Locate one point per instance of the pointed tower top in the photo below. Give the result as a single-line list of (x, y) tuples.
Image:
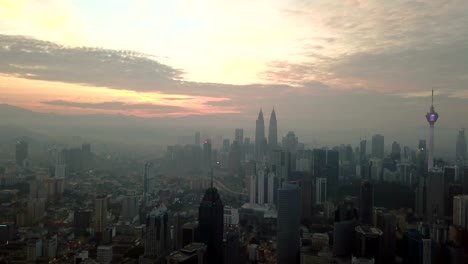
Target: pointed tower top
[(432, 97), (273, 113), (260, 114)]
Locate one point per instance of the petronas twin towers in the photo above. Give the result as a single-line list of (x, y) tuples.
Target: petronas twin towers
[(261, 144)]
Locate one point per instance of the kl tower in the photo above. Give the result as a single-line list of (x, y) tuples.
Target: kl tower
[(431, 117)]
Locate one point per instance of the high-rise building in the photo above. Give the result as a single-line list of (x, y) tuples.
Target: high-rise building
[(320, 190), (435, 193), (260, 140), (211, 224), (332, 173), (239, 135), (368, 243), (197, 139), (363, 158), (104, 254), (288, 223), (366, 203), (273, 132), (129, 207), (307, 198), (319, 162), (207, 153), (460, 211), (81, 221), (281, 164), (387, 223), (431, 117), (421, 157), (396, 151), (235, 156), (21, 152), (157, 236), (460, 150), (344, 227), (378, 143), (100, 214), (191, 254)]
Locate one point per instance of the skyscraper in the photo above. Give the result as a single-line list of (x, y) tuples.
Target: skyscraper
[(460, 211), (197, 139), (288, 223), (431, 117), (396, 151), (21, 152), (207, 155), (260, 137), (100, 214), (239, 135), (211, 224), (366, 203), (321, 190), (157, 236), (460, 150), (273, 132), (378, 146), (435, 190)]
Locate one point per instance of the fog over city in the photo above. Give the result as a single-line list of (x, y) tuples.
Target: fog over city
[(249, 131)]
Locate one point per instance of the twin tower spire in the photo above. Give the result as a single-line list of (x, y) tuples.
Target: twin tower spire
[(261, 144)]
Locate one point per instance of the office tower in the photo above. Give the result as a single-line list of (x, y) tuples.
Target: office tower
[(431, 117), (273, 132), (396, 151), (157, 237), (344, 227), (104, 254), (197, 139), (33, 249), (332, 173), (435, 190), (190, 233), (368, 243), (378, 146), (421, 158), (87, 155), (8, 232), (239, 135), (129, 207), (81, 221), (281, 164), (231, 246), (460, 211), (207, 160), (363, 158), (272, 187), (288, 223), (387, 223), (21, 152), (366, 203), (261, 185), (100, 214), (319, 162), (226, 145), (260, 137), (320, 190), (307, 198), (451, 190), (211, 225), (460, 150), (235, 155), (194, 253)]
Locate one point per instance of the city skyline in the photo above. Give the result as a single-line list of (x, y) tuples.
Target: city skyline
[(60, 61)]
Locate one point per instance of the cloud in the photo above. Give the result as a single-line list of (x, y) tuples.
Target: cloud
[(153, 108), (42, 60)]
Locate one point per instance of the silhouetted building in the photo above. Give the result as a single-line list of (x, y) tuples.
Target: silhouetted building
[(387, 223), (288, 223), (378, 146), (460, 150), (273, 132), (21, 152), (260, 140), (191, 254), (321, 187), (368, 243), (307, 198), (344, 228), (211, 224), (435, 190), (207, 153), (235, 155), (396, 151), (190, 233), (157, 237), (100, 214), (460, 211), (366, 203), (81, 221)]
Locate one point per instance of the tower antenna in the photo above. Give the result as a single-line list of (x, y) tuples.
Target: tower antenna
[(212, 177)]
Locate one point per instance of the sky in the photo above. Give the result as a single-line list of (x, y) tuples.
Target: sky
[(357, 66)]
